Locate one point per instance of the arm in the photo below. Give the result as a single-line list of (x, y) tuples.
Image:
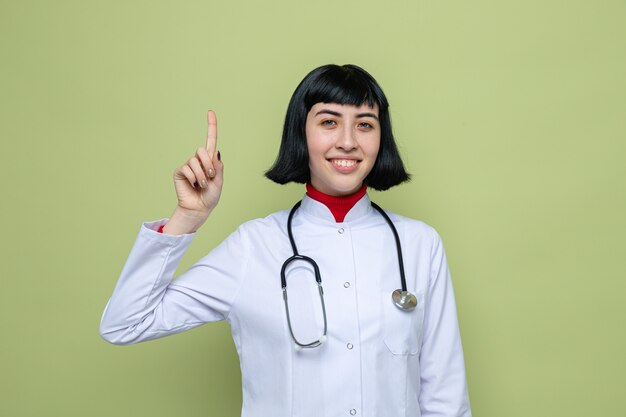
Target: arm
[(147, 304), (443, 385)]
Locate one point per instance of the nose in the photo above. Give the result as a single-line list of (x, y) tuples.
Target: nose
[(347, 140)]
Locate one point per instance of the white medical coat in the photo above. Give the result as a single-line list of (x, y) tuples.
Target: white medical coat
[(378, 361)]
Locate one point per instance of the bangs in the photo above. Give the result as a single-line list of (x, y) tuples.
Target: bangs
[(343, 85)]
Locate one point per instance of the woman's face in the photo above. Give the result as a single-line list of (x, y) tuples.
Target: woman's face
[(343, 142)]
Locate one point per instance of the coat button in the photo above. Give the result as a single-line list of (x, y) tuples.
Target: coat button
[(340, 230), (350, 346), (346, 284), (353, 412)]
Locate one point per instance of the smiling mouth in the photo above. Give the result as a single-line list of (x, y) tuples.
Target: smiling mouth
[(344, 163)]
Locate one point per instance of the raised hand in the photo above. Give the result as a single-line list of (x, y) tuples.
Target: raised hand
[(199, 181)]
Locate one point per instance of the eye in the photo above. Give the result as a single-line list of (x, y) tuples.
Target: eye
[(365, 125), (328, 122)]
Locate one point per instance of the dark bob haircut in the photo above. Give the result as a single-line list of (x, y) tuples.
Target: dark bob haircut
[(346, 84)]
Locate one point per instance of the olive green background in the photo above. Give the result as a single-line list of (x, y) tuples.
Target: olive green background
[(509, 114)]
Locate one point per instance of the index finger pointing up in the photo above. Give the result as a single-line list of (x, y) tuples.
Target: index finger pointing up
[(211, 137)]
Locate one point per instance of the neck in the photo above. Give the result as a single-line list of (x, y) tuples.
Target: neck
[(338, 206)]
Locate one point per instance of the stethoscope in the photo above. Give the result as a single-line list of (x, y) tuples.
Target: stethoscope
[(402, 298)]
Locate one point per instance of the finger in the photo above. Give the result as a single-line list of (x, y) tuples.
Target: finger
[(219, 170), (217, 161), (188, 173), (211, 137), (203, 155), (195, 166)]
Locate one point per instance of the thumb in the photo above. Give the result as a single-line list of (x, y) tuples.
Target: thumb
[(219, 166)]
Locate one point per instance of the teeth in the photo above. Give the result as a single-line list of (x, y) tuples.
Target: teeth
[(344, 162)]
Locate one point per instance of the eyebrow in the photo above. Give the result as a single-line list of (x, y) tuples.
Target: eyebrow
[(334, 113)]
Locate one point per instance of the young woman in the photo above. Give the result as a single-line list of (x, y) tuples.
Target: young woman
[(336, 307)]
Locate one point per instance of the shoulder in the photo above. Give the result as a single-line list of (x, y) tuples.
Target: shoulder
[(413, 229), (413, 225), (253, 234), (272, 223)]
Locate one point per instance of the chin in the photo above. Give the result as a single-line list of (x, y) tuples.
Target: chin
[(344, 189)]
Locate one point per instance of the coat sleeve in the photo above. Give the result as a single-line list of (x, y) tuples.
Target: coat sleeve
[(443, 384), (147, 303)]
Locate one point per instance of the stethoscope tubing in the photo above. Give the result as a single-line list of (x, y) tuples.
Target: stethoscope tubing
[(398, 246), (297, 257)]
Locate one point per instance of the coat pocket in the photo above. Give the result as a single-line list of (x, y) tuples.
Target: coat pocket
[(403, 329)]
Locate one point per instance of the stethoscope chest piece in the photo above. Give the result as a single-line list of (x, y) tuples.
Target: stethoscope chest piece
[(404, 300)]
